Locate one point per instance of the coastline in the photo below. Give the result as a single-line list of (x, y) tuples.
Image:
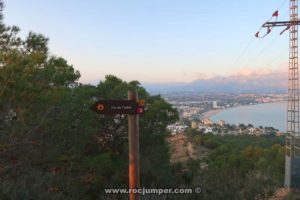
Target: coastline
[(211, 113)]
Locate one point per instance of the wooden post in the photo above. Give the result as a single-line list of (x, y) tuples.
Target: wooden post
[(133, 138)]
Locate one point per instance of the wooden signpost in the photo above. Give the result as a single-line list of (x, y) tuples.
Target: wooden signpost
[(113, 107), (134, 154), (133, 108)]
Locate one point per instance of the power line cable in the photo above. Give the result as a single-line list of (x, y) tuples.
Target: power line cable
[(252, 40), (269, 64), (260, 53)]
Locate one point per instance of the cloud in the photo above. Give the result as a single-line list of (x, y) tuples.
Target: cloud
[(259, 72)]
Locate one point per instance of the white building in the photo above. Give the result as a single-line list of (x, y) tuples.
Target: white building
[(222, 123), (177, 128), (207, 121), (208, 130), (194, 125), (215, 104)]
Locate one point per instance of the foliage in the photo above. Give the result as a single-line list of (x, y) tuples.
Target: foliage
[(242, 167), (52, 145)]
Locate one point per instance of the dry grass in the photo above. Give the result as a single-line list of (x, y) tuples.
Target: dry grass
[(181, 149)]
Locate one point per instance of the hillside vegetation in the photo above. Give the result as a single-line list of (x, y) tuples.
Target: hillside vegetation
[(241, 167), (52, 146)]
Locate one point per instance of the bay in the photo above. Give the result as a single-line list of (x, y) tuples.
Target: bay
[(268, 114)]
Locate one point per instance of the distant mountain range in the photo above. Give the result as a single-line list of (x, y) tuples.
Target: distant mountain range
[(254, 83)]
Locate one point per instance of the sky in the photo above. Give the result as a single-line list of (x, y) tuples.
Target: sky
[(157, 41)]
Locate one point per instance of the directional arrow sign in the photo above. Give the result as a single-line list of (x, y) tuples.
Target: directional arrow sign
[(112, 107)]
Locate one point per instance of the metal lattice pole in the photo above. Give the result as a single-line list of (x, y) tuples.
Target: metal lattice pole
[(292, 157), (292, 179)]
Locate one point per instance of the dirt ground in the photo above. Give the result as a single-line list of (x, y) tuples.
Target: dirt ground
[(280, 194), (181, 149)]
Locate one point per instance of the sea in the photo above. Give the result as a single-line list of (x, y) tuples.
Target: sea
[(267, 114)]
